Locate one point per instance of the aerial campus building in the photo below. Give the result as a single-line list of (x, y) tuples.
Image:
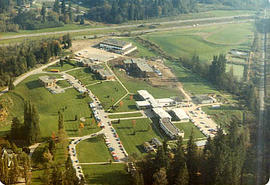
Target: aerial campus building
[(156, 105), (102, 72), (117, 46), (180, 114), (139, 68), (48, 81)]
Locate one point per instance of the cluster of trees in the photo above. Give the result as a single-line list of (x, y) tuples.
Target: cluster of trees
[(16, 167), (237, 4), (18, 59), (118, 11), (29, 130), (222, 161)]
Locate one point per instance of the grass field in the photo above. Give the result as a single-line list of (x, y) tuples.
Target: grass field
[(128, 105), (204, 41), (93, 150), (114, 174), (187, 128), (136, 114), (31, 89), (84, 75), (108, 92), (63, 83), (192, 83), (65, 67), (133, 85), (238, 70), (144, 132), (223, 115)]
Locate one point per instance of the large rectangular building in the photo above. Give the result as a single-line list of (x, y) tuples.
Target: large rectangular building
[(139, 68), (102, 72), (181, 115), (117, 46)]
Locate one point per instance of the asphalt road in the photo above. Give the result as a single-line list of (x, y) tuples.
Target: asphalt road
[(123, 26)]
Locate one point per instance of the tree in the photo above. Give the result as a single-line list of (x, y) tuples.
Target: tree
[(63, 7), (16, 128), (11, 85), (43, 13), (56, 7), (61, 62), (70, 11), (160, 177), (81, 20), (192, 159)]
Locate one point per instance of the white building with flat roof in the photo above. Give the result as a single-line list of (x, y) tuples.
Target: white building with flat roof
[(161, 113), (165, 102), (180, 114)]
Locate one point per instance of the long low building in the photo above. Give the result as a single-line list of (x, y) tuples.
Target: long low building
[(180, 114), (165, 123), (117, 46)]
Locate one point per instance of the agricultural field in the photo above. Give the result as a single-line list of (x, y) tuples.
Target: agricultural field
[(204, 41), (144, 131), (188, 128), (93, 150), (109, 174), (31, 89)]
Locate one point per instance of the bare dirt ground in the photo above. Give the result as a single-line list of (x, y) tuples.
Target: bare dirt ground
[(78, 45)]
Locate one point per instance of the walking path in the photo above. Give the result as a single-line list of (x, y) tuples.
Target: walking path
[(117, 113)]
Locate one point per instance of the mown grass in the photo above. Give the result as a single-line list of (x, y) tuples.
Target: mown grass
[(187, 128), (93, 150), (57, 66), (108, 92), (84, 75), (63, 83), (114, 174), (48, 104), (238, 70), (136, 114), (144, 131), (127, 105)]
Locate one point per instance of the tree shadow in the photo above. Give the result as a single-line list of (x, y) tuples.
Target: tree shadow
[(33, 84)]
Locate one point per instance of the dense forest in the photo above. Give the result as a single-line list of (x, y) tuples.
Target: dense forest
[(18, 59), (118, 11)]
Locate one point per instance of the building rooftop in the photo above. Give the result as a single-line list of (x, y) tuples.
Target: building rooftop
[(142, 103), (115, 42), (47, 79), (180, 113), (161, 113), (201, 143), (170, 126), (141, 64)]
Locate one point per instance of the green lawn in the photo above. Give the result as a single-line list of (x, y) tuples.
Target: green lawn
[(144, 132), (133, 85), (204, 41), (238, 70), (63, 83), (128, 105), (108, 92), (84, 75), (192, 83), (48, 104), (73, 127), (187, 128), (65, 67), (136, 114), (223, 115), (114, 174), (93, 150)]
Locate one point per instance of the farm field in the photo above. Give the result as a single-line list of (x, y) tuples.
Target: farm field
[(32, 89), (108, 92), (114, 174), (223, 115), (144, 132), (204, 41), (93, 150), (187, 128)]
